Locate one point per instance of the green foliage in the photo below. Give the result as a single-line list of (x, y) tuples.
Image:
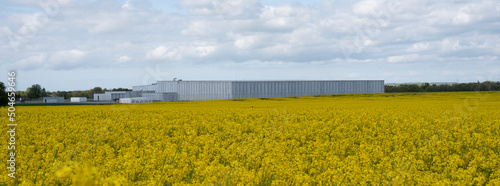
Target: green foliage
[(36, 91), (64, 94), (3, 95), (121, 89), (461, 87), (97, 90)]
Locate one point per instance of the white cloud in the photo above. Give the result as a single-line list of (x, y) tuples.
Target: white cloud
[(227, 9), (162, 52), (123, 59), (127, 6), (461, 18), (247, 42), (366, 7), (30, 63), (204, 49), (375, 35), (66, 59), (448, 45), (402, 58), (418, 47)]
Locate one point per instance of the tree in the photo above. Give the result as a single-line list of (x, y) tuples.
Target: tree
[(97, 90), (64, 94), (44, 93), (425, 85), (4, 100), (36, 91), (121, 89)]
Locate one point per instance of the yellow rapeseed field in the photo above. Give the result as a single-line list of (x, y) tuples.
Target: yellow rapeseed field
[(369, 139)]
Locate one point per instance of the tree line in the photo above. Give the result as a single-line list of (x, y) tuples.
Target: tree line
[(36, 92), (459, 87)]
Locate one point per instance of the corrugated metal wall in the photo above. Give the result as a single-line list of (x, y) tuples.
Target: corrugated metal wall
[(255, 89), (102, 97), (215, 90), (167, 86), (144, 88), (112, 95), (162, 96), (204, 90)]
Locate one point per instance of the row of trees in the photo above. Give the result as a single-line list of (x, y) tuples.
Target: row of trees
[(427, 87), (84, 93), (36, 91)]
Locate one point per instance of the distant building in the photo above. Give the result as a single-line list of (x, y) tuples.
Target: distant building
[(178, 90), (53, 100), (115, 95), (78, 99), (136, 100)]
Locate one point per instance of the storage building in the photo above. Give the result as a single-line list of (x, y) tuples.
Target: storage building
[(53, 100), (216, 90), (78, 99), (136, 100), (114, 95)]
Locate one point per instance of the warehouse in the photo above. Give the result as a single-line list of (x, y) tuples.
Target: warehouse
[(115, 95), (136, 100), (216, 90), (53, 100)]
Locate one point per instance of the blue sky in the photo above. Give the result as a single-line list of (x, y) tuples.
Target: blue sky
[(80, 44)]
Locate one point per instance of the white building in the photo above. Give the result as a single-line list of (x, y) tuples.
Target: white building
[(136, 100), (78, 99), (115, 95)]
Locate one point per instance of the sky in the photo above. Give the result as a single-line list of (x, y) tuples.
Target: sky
[(68, 45)]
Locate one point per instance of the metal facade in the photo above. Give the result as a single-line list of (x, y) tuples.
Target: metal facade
[(255, 89), (215, 90), (204, 90), (113, 95), (136, 100), (144, 88), (166, 96), (53, 100)]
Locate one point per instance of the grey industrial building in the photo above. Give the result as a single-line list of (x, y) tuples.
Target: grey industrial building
[(53, 100), (216, 90), (114, 95)]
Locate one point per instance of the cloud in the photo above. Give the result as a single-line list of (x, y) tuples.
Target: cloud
[(226, 9), (418, 47), (351, 35), (66, 59), (122, 59), (402, 58), (162, 52), (30, 63), (366, 7)]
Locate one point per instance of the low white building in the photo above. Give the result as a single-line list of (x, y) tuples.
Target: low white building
[(53, 100), (136, 100), (78, 99), (114, 95)]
